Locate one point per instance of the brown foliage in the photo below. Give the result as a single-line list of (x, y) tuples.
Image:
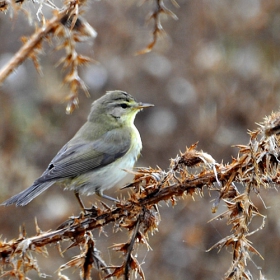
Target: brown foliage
[(68, 25), (256, 167)]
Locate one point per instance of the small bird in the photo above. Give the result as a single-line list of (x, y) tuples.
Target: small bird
[(96, 158)]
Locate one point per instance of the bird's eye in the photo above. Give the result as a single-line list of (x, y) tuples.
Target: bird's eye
[(124, 105)]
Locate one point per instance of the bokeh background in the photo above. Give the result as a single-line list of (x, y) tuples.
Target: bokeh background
[(213, 75)]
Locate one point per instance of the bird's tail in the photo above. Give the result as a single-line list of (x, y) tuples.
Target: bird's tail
[(27, 195)]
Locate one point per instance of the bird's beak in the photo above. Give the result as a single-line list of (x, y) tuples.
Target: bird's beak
[(141, 105)]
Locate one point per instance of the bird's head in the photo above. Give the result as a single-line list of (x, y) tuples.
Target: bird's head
[(116, 105)]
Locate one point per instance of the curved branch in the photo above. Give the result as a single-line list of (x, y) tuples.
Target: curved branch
[(29, 46)]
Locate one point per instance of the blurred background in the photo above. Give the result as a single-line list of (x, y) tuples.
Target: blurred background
[(213, 75)]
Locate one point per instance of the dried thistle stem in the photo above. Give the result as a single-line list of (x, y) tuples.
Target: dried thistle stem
[(27, 49)]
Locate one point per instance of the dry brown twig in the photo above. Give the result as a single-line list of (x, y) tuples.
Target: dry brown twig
[(255, 168), (66, 25), (160, 9), (70, 27)]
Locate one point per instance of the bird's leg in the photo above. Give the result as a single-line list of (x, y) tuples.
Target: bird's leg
[(91, 210), (80, 201), (100, 194)]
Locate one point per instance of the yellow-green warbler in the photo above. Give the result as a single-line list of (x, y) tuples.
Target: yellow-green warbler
[(96, 158)]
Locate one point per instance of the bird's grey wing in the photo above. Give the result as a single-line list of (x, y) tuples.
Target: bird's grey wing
[(81, 157)]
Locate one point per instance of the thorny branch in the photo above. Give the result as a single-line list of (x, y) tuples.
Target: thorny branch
[(32, 43), (68, 25), (158, 30), (255, 168)]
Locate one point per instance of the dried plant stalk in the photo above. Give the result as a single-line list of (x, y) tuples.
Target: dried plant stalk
[(68, 17), (256, 167), (32, 43)]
